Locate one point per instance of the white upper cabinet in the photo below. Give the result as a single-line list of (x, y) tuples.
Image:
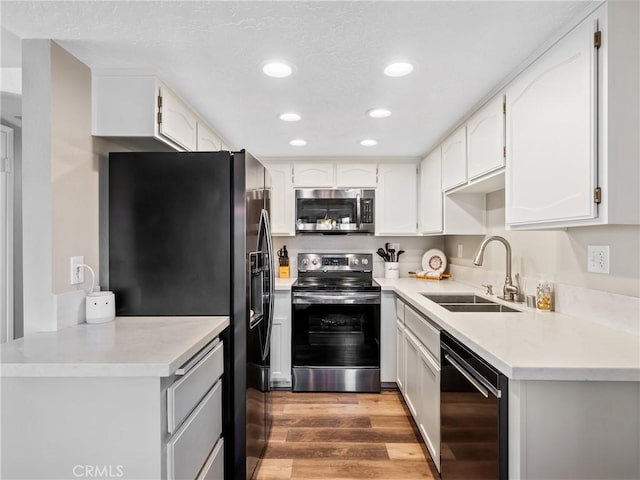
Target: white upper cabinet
[(431, 193), (310, 175), (457, 213), (397, 200), (207, 140), (572, 127), (485, 139), (357, 175), (454, 159), (551, 134), (282, 203), (176, 121), (140, 107)]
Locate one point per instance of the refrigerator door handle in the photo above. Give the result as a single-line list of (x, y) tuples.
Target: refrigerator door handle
[(266, 230)]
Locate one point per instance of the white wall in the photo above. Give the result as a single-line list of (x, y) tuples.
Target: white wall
[(74, 168), (60, 184), (39, 303)]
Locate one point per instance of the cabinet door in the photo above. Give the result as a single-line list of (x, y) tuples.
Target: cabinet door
[(485, 139), (281, 340), (431, 193), (178, 123), (551, 122), (388, 338), (397, 200), (359, 175), (454, 160), (400, 356), (307, 175), (282, 211), (411, 385), (207, 140), (429, 419)]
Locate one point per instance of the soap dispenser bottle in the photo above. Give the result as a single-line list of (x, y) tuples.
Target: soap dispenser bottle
[(544, 296)]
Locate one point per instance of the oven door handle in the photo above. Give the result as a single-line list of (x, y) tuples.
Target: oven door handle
[(468, 376), (351, 298)]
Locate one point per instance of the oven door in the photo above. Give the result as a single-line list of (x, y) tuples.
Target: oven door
[(336, 341)]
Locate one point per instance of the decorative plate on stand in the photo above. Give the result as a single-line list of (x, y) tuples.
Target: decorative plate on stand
[(434, 261)]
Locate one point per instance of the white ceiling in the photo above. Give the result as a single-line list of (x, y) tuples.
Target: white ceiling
[(211, 53)]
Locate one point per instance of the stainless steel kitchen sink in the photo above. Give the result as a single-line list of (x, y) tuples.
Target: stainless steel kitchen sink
[(467, 302), (478, 307), (455, 298)]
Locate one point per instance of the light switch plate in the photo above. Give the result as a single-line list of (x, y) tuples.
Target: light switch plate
[(598, 258)]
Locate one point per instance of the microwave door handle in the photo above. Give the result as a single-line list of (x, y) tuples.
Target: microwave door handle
[(358, 211)]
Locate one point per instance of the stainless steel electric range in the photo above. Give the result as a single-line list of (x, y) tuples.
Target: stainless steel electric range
[(335, 324)]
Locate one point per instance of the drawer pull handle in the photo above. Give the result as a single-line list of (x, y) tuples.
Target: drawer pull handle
[(183, 370)]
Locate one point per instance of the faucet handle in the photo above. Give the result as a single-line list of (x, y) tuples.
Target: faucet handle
[(489, 288)]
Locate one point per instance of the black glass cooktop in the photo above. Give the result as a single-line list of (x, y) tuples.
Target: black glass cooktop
[(331, 282)]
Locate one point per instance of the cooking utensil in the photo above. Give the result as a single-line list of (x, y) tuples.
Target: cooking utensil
[(384, 255), (398, 255), (386, 247), (392, 254)]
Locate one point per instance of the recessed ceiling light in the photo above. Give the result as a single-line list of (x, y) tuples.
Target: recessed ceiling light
[(277, 69), (298, 142), (369, 142), (290, 117), (399, 69), (379, 112)]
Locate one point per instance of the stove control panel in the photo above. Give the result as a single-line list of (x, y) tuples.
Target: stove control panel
[(340, 262)]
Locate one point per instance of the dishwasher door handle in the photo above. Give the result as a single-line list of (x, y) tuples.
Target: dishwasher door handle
[(468, 376)]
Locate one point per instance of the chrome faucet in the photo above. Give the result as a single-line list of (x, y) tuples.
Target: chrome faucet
[(510, 291)]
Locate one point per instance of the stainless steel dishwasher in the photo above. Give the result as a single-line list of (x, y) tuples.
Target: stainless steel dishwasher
[(474, 415)]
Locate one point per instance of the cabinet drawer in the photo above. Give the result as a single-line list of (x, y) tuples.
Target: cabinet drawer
[(400, 310), (185, 393), (424, 331), (188, 449), (214, 466)]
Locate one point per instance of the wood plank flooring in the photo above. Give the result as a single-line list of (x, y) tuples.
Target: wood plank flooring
[(343, 436)]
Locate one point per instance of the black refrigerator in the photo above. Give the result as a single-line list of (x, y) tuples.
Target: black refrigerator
[(188, 235)]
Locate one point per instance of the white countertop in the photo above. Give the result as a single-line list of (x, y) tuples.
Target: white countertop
[(529, 345), (284, 283), (127, 347)]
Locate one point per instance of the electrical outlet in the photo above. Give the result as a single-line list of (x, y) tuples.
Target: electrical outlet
[(598, 258), (459, 250), (77, 271)]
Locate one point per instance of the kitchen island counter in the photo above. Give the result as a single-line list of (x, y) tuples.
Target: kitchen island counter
[(528, 345), (126, 347)]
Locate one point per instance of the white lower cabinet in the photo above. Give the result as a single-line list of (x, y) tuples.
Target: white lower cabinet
[(400, 344), (418, 363), (411, 357), (428, 420), (125, 426), (189, 448), (387, 338), (214, 466), (281, 340)]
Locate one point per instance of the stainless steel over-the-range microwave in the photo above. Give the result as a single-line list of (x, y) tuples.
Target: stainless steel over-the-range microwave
[(335, 211)]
